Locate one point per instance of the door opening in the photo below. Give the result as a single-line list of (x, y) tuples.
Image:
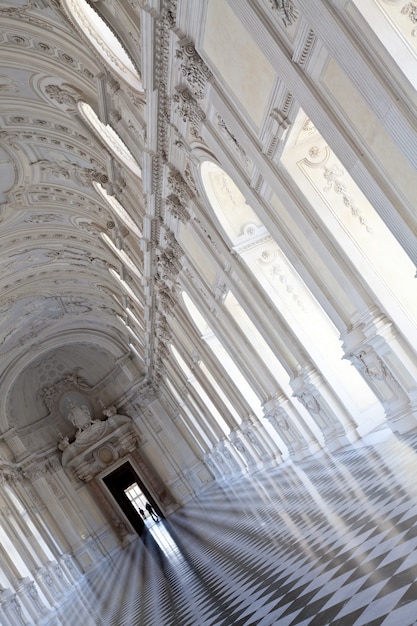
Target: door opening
[(140, 503), (130, 494)]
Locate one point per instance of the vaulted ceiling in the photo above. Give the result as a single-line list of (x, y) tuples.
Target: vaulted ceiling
[(62, 296)]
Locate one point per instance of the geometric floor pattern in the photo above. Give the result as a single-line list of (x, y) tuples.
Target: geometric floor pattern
[(330, 540)]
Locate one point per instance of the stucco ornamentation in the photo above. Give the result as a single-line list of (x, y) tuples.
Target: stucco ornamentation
[(286, 9)]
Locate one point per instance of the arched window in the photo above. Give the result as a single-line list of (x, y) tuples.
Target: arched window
[(104, 41), (110, 138), (222, 356), (200, 391), (268, 264), (128, 290), (220, 353), (122, 255), (118, 211), (184, 402)]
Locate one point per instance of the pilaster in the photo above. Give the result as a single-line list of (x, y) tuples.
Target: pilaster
[(30, 599), (388, 365), (12, 609), (276, 412), (261, 442), (336, 425)]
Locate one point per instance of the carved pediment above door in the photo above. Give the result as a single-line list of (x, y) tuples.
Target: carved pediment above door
[(99, 445)]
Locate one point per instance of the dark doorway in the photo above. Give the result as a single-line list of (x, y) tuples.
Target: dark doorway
[(117, 482)]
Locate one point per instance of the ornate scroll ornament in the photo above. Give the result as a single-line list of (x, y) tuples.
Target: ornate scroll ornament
[(168, 264), (13, 605), (164, 332), (308, 126), (69, 382), (9, 474), (162, 351), (168, 257), (208, 461), (189, 110), (286, 9), (21, 13), (278, 418), (179, 187), (250, 435), (8, 84), (177, 209), (286, 430), (193, 68), (167, 297), (33, 593), (190, 180), (92, 228), (308, 401), (239, 445), (44, 218), (40, 468)]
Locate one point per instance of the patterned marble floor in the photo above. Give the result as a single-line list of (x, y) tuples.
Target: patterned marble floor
[(331, 540)]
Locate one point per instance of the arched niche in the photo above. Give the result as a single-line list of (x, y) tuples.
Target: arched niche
[(36, 404)]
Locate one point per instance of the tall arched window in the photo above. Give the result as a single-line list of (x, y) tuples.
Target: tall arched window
[(123, 256), (200, 391), (104, 41), (251, 241), (185, 403), (118, 210), (110, 138), (224, 358)]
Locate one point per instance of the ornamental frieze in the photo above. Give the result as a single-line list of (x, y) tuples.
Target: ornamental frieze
[(85, 176)]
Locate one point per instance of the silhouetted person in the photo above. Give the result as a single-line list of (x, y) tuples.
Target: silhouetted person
[(151, 512), (142, 512)]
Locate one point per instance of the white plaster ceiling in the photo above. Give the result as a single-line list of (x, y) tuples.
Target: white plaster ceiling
[(57, 296)]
